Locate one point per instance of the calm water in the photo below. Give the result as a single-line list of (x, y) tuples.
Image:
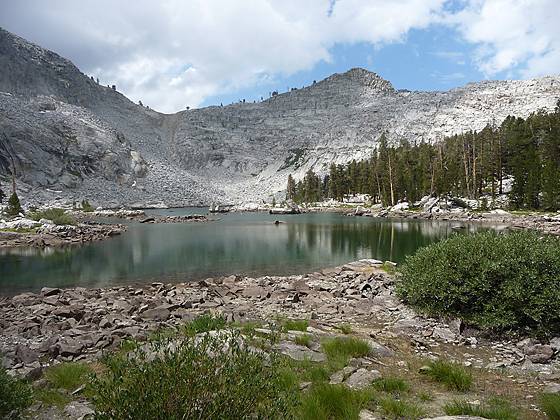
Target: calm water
[(238, 243)]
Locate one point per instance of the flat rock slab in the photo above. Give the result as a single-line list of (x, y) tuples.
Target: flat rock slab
[(362, 378), (297, 352)]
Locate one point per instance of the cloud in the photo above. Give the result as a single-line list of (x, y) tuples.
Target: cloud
[(519, 37), (174, 53)]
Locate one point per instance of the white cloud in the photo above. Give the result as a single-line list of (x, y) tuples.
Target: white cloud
[(521, 37), (174, 53)]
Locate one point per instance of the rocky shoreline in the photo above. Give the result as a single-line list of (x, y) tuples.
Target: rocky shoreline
[(79, 323), (58, 236)]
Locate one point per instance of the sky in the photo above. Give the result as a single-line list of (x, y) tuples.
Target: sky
[(173, 54)]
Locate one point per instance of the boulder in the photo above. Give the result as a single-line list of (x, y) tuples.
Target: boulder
[(161, 313), (50, 291), (539, 353), (297, 352), (362, 378)]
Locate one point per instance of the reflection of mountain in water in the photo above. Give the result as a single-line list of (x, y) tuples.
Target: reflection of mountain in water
[(242, 243)]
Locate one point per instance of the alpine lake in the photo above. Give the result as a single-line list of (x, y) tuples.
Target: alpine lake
[(248, 244)]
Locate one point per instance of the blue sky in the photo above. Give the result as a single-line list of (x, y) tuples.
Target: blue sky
[(176, 53)]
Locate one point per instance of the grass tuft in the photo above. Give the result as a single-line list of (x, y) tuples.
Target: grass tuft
[(391, 385), (326, 402), (303, 340), (295, 325), (345, 329), (495, 408), (400, 409), (15, 395), (69, 376), (340, 349), (204, 323), (452, 375), (57, 216), (550, 404)]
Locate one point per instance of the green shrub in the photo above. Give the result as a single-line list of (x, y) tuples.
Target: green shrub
[(329, 402), (205, 323), (15, 395), (495, 281), (494, 408), (340, 349), (57, 216), (400, 409), (209, 376), (391, 385), (550, 404), (303, 340), (344, 328), (454, 376)]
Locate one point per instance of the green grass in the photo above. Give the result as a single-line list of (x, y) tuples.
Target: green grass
[(388, 268), (494, 408), (69, 376), (340, 349), (550, 404), (345, 329), (330, 402), (204, 323), (57, 216), (400, 409), (303, 340), (295, 325), (309, 371), (391, 385), (455, 377), (425, 396), (19, 230), (51, 397)]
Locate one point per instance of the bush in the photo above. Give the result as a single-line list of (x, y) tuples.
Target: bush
[(87, 207), (493, 281), (68, 376), (15, 396), (209, 376), (57, 216), (454, 376)]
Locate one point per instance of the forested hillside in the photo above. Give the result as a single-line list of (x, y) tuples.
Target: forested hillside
[(472, 164)]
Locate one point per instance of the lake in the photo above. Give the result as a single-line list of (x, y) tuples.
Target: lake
[(237, 243)]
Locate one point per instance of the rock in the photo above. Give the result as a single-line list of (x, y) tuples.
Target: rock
[(539, 353), (69, 347), (555, 344), (341, 375), (454, 418), (379, 349), (552, 388), (79, 410), (362, 378), (26, 355), (160, 313), (366, 415), (50, 291), (444, 334), (297, 352)]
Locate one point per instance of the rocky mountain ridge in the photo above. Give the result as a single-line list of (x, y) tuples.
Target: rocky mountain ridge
[(71, 138)]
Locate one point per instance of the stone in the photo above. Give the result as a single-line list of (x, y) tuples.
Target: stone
[(379, 349), (25, 354), (366, 415), (555, 344), (50, 291), (552, 388), (362, 378), (341, 375), (297, 352), (69, 347), (444, 334), (79, 410), (160, 313), (539, 353)]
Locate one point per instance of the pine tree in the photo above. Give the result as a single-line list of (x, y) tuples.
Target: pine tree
[(14, 206), (291, 189)]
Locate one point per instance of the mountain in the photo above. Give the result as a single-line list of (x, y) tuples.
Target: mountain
[(71, 138)]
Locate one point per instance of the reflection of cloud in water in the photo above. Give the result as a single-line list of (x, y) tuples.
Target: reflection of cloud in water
[(239, 243)]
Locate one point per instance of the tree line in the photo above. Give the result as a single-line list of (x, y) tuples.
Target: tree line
[(471, 164)]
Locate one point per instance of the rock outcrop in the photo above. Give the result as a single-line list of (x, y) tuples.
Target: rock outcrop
[(70, 137)]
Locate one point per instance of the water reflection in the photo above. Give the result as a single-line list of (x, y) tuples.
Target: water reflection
[(237, 243)]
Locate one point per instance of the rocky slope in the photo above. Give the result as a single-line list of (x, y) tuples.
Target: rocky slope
[(71, 138)]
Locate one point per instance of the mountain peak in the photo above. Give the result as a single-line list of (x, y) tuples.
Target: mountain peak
[(363, 77)]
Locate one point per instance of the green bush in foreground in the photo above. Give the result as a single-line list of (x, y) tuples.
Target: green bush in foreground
[(15, 396), (209, 376), (57, 216), (494, 281), (329, 402)]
